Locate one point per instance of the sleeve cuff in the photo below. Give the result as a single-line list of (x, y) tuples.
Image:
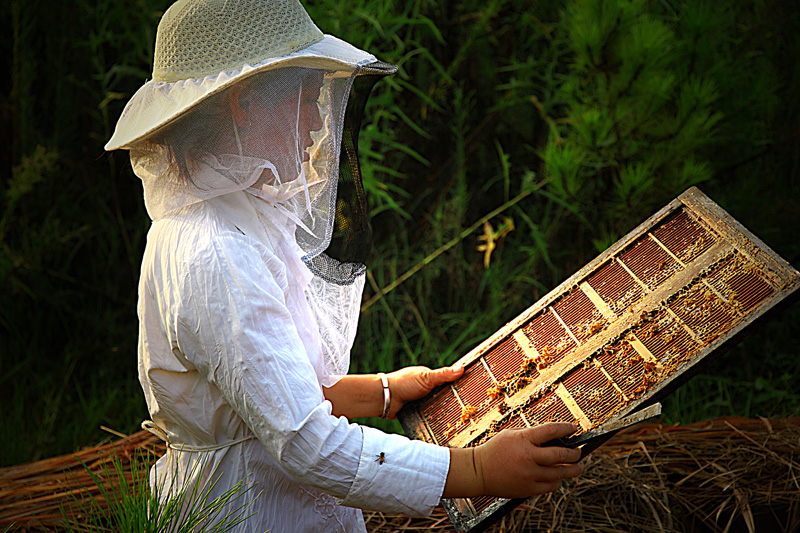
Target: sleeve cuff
[(396, 474)]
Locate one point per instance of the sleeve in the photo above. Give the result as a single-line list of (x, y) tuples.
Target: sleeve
[(235, 328)]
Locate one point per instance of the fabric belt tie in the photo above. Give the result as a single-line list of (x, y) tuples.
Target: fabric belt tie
[(151, 426)]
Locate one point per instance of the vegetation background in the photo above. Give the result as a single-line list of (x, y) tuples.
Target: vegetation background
[(568, 121)]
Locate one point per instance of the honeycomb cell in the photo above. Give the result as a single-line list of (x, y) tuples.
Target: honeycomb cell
[(594, 393), (684, 237), (549, 338), (580, 315), (616, 287), (650, 262)]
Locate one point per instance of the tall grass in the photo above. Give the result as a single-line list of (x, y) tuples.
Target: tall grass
[(590, 114)]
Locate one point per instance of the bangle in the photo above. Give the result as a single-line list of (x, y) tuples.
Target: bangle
[(387, 395)]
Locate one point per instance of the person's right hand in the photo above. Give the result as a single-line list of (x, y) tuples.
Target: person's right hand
[(512, 464)]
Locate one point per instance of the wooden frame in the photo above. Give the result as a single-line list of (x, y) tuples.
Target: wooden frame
[(620, 334)]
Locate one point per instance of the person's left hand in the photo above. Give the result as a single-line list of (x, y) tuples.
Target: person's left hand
[(414, 382)]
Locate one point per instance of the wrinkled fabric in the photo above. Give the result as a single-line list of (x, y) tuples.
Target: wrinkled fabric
[(223, 355), (277, 136)]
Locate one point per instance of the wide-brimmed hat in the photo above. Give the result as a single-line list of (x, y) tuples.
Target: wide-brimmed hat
[(205, 46)]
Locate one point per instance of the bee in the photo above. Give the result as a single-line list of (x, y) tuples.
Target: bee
[(380, 458), (503, 407), (494, 391), (596, 327), (467, 412)]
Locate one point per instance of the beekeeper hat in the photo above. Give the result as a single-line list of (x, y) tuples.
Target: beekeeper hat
[(204, 46)]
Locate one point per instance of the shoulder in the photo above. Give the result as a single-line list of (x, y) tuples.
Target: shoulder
[(198, 232), (198, 244)]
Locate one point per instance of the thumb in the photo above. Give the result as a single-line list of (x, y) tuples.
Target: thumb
[(456, 371), (445, 374)]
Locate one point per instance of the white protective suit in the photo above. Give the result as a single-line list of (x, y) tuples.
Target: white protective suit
[(243, 318)]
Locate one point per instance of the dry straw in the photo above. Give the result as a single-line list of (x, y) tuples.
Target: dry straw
[(32, 495), (729, 474)]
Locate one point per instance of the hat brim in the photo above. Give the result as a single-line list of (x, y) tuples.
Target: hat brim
[(157, 104)]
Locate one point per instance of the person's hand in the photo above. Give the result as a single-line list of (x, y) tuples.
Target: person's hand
[(414, 382), (513, 465)]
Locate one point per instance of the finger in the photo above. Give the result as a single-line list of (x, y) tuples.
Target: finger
[(544, 487), (550, 431), (559, 472), (569, 471), (556, 455), (572, 470)]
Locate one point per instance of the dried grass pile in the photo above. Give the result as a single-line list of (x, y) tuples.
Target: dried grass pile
[(32, 494), (730, 474)]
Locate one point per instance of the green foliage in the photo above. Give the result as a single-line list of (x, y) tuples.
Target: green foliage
[(24, 177), (570, 121), (618, 107), (126, 503), (634, 117), (72, 226)]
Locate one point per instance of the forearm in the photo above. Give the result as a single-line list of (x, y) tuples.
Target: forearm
[(361, 395), (356, 395), (409, 480)]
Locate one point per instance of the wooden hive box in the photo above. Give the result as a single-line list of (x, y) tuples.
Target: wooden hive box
[(619, 335)]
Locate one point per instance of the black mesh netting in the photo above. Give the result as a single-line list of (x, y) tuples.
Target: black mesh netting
[(352, 236)]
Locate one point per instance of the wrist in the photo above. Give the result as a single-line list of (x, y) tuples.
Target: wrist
[(477, 465), (386, 395), (464, 479)]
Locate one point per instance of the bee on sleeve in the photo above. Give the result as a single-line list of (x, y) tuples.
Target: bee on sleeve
[(380, 458)]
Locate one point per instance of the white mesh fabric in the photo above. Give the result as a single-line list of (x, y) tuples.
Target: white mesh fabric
[(197, 38), (166, 192), (276, 135), (283, 146), (336, 308)]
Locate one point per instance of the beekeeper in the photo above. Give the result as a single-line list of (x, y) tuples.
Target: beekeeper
[(252, 278)]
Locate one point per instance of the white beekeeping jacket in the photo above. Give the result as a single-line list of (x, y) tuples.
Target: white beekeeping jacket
[(223, 358), (243, 316)]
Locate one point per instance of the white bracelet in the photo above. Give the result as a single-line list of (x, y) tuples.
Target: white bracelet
[(387, 395)]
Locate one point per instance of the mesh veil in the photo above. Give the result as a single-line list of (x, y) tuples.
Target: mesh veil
[(277, 135), (334, 292)]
